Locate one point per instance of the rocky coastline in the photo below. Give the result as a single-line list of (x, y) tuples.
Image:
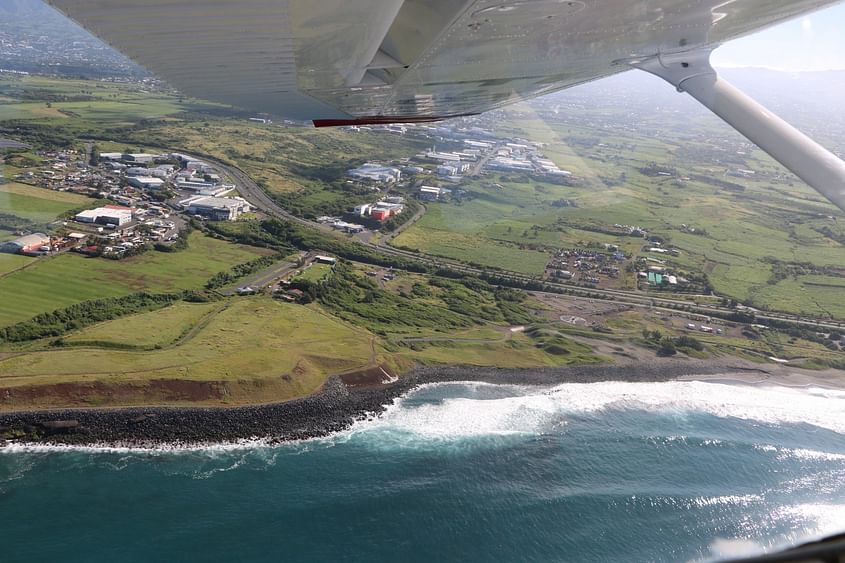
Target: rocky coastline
[(334, 408)]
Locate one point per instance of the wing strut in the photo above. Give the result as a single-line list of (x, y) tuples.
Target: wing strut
[(690, 72)]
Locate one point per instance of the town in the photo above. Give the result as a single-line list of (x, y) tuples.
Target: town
[(147, 200)]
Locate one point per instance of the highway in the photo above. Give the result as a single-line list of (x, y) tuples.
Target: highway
[(260, 200)]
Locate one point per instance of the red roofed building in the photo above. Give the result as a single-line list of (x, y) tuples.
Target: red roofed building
[(380, 214)]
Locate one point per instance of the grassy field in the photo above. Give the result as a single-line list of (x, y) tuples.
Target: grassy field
[(68, 278), (315, 272), (38, 205), (147, 330), (257, 348), (504, 351), (11, 262), (740, 232), (69, 102)]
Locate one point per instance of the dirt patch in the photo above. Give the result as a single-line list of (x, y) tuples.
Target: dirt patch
[(369, 377), (98, 393)]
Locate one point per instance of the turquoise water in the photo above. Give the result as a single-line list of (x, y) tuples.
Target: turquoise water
[(472, 472)]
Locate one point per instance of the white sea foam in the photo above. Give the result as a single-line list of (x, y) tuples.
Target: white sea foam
[(140, 448), (450, 411), (531, 410)]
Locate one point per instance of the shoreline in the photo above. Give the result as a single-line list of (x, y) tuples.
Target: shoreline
[(337, 405)]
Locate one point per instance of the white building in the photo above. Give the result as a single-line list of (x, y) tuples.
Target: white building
[(429, 193), (375, 173), (443, 156), (363, 209), (139, 157), (510, 164), (108, 215), (218, 208), (145, 182), (446, 170)]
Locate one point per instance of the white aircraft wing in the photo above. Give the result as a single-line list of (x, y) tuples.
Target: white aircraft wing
[(348, 61), (345, 62)]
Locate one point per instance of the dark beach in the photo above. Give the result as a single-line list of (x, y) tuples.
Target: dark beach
[(336, 406)]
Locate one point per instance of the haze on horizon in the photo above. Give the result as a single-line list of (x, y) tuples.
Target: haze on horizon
[(814, 42)]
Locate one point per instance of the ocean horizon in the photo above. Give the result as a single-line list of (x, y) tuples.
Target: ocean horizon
[(609, 471)]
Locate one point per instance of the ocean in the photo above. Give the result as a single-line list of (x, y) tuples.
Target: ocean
[(672, 471)]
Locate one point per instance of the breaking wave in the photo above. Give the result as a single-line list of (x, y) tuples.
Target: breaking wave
[(455, 411)]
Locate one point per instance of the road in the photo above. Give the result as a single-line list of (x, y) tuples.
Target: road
[(271, 274), (398, 231), (479, 166), (260, 200)]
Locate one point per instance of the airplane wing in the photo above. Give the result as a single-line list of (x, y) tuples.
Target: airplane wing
[(348, 61), (344, 62)]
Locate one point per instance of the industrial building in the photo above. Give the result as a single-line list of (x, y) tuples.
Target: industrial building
[(145, 182), (107, 215), (371, 172), (139, 158), (363, 209), (380, 214), (506, 164), (429, 193), (162, 171), (24, 244), (218, 208)]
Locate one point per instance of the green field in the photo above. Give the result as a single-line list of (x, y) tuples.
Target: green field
[(62, 280), (315, 272), (70, 102), (470, 249), (11, 262), (740, 233), (259, 348), (38, 205), (506, 351), (146, 330)]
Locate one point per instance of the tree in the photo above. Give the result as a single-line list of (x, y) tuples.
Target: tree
[(95, 156), (667, 347)]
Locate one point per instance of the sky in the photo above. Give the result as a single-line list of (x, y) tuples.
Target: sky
[(812, 42)]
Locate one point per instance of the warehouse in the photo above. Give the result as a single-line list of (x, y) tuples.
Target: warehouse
[(24, 244), (108, 215), (375, 173), (429, 193), (218, 208), (145, 182)]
